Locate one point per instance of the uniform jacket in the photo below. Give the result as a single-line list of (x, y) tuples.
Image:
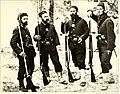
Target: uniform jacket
[(47, 32), (106, 28), (27, 41), (80, 29)]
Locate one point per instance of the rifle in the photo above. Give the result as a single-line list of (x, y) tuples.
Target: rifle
[(67, 60), (91, 53), (45, 80), (28, 77)]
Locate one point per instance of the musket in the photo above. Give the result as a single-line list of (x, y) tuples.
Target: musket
[(91, 54), (28, 77), (45, 80), (67, 57)]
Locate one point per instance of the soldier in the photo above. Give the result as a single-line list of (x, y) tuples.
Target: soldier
[(106, 42), (28, 48), (45, 33), (78, 31)]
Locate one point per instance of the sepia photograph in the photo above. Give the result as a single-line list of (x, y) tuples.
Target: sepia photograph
[(69, 46)]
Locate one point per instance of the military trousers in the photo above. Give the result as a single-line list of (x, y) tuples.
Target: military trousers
[(46, 51), (78, 55), (105, 59)]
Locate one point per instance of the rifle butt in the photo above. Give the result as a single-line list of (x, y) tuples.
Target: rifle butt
[(92, 76), (70, 77), (45, 80)]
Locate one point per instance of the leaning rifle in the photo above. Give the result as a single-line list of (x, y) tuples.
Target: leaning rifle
[(91, 53), (67, 57)]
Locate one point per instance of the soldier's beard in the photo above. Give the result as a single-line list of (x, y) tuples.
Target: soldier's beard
[(46, 21), (73, 16), (25, 24)]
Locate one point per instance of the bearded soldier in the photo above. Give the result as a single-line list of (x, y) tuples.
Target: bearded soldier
[(45, 33), (78, 31), (29, 53), (106, 42)]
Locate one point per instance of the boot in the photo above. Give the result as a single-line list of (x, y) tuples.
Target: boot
[(111, 78), (22, 87), (30, 85), (60, 78), (104, 81), (83, 81)]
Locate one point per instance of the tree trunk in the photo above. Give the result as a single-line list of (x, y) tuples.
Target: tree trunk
[(51, 11)]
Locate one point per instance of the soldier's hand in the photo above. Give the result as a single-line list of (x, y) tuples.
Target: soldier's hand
[(75, 39), (65, 20), (108, 52), (79, 40), (89, 13), (37, 37), (22, 54), (47, 43)]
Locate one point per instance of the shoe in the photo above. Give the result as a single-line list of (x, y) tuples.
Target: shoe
[(62, 81), (111, 79), (83, 84), (104, 86), (37, 87), (23, 89), (29, 87)]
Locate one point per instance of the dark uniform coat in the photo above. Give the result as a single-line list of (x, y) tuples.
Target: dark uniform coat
[(48, 34), (28, 48), (106, 41), (77, 28)]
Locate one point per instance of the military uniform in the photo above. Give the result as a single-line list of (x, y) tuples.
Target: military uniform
[(28, 48), (106, 40), (77, 28), (49, 41)]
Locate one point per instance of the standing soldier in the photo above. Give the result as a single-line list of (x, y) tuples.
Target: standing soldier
[(28, 48), (45, 33), (78, 31), (106, 42)]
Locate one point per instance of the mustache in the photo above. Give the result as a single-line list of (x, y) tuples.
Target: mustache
[(25, 23), (45, 21)]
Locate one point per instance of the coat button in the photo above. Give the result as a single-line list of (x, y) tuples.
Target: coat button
[(73, 25)]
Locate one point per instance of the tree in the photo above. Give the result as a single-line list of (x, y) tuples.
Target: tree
[(51, 11)]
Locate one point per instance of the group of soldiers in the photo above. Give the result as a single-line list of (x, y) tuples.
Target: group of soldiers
[(47, 39)]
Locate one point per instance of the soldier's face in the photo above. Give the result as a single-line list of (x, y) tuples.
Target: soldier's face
[(24, 20), (45, 18), (73, 12), (99, 10)]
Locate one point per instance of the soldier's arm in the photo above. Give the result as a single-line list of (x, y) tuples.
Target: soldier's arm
[(85, 30), (14, 41), (30, 41), (64, 27), (36, 33), (57, 42), (110, 35)]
